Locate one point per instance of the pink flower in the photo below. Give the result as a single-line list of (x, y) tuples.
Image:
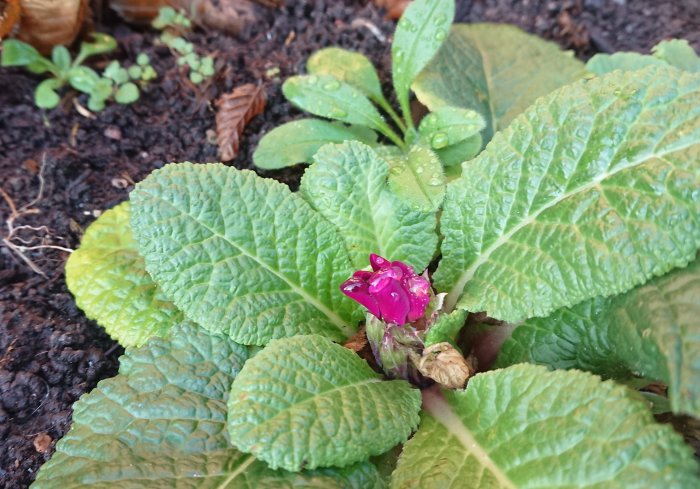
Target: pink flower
[(392, 291)]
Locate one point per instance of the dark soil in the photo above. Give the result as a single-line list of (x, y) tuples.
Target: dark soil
[(50, 353)]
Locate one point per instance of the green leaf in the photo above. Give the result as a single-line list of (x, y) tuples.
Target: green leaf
[(45, 96), (143, 60), (592, 191), (241, 254), (679, 54), (421, 31), (497, 70), (349, 67), (61, 58), (459, 153), (417, 178), (18, 53), (308, 402), (347, 184), (161, 423), (127, 93), (650, 332), (135, 72), (297, 141), (525, 427), (326, 96), (600, 64), (108, 278), (448, 126), (102, 43), (83, 79), (446, 328), (102, 89)]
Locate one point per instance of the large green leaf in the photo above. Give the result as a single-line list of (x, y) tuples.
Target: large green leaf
[(676, 52), (242, 254), (297, 141), (526, 427), (306, 402), (417, 177), (590, 192), (108, 278), (421, 31), (161, 424), (652, 331), (348, 185), (679, 54), (497, 70)]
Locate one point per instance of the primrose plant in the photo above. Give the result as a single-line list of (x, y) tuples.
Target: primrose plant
[(575, 229), (116, 82)]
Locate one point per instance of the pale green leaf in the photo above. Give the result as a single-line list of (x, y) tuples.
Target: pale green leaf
[(448, 126), (446, 328), (241, 254), (601, 63), (61, 58), (83, 78), (497, 70), (417, 177), (308, 402), (679, 54), (421, 31), (108, 279), (525, 427), (347, 66), (127, 93), (651, 332), (297, 141), (45, 96), (161, 423), (347, 184), (18, 53), (592, 191)]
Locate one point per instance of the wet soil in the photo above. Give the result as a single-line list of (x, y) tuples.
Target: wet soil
[(60, 169)]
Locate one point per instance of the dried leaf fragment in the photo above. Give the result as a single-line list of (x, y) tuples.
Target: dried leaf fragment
[(42, 442), (9, 15), (235, 110), (443, 363)]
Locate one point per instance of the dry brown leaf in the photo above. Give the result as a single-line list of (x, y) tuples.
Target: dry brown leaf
[(9, 15), (235, 110), (42, 442), (138, 11), (47, 23), (394, 8)]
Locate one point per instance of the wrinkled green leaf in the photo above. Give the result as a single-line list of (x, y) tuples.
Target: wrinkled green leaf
[(45, 96), (679, 54), (347, 66), (61, 58), (161, 424), (83, 79), (460, 152), (651, 332), (600, 64), (497, 70), (592, 191), (347, 184), (448, 126), (241, 254), (421, 31), (108, 278), (417, 178), (446, 328), (525, 427), (297, 141), (127, 93), (308, 402)]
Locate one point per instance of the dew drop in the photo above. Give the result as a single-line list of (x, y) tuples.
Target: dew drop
[(420, 169), (396, 170), (440, 19), (338, 113), (440, 35), (332, 85), (312, 79), (439, 140), (435, 181), (398, 54), (431, 120)]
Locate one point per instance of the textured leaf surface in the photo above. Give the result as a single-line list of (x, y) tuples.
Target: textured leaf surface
[(679, 54), (108, 278), (526, 427), (651, 332), (242, 254), (497, 70), (297, 141), (161, 424), (676, 52), (308, 402), (589, 193), (446, 328), (353, 68), (347, 184), (419, 34), (460, 152), (417, 177), (450, 125)]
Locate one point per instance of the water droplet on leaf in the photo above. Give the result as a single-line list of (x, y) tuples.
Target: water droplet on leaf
[(440, 35), (332, 85), (312, 79), (439, 140)]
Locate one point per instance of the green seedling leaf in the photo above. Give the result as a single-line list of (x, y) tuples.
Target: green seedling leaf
[(166, 17), (96, 104), (143, 60), (18, 53), (446, 328), (196, 77), (347, 184), (349, 67), (102, 43), (590, 192), (45, 96), (448, 126), (207, 66), (293, 411), (679, 54), (162, 423), (452, 156), (61, 58), (417, 178), (526, 427), (497, 70), (297, 141), (112, 70), (127, 93), (135, 72), (149, 74), (650, 332), (242, 255), (422, 29), (83, 79), (108, 279)]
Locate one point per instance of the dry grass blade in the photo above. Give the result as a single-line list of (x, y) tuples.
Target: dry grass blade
[(234, 111)]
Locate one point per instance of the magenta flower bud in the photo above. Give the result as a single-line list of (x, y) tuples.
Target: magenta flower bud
[(392, 292)]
